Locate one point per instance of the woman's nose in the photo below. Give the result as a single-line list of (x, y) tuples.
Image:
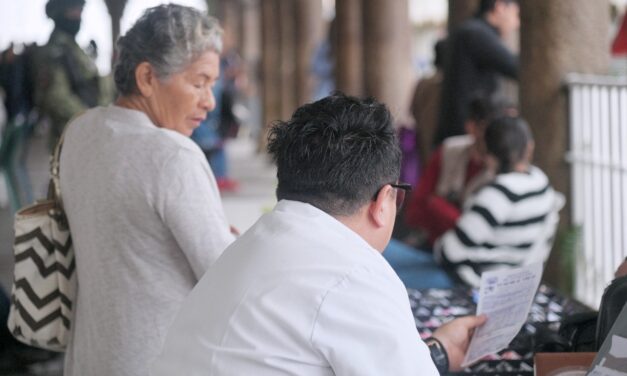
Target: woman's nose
[(208, 101)]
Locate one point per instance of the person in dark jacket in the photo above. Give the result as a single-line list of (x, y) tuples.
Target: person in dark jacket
[(67, 79), (475, 56)]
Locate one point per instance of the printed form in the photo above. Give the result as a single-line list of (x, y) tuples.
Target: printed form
[(505, 297)]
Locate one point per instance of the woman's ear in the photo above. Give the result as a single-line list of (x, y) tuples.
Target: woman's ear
[(145, 79)]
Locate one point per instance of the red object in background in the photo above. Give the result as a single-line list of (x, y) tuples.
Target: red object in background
[(619, 47)]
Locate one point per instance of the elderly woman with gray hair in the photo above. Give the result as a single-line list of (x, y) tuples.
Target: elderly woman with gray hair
[(143, 206)]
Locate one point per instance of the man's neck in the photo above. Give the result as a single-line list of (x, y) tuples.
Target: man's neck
[(359, 225)]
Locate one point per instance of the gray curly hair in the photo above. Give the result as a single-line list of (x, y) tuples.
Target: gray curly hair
[(169, 37)]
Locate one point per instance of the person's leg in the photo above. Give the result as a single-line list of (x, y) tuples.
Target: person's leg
[(417, 269)]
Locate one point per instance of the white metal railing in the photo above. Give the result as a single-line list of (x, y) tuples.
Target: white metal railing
[(598, 157)]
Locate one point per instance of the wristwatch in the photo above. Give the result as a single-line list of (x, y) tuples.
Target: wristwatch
[(438, 354)]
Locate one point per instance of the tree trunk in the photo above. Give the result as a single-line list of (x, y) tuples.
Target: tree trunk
[(558, 37), (308, 27), (459, 11), (347, 47), (388, 73)]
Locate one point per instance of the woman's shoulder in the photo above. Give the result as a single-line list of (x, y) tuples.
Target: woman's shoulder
[(126, 131), (533, 176), (521, 184)]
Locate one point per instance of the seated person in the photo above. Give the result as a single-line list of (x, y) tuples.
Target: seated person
[(510, 221), (454, 171), (306, 291)]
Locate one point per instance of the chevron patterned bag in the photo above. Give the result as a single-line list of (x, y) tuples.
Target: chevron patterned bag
[(44, 283)]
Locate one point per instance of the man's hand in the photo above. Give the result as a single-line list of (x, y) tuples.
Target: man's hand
[(455, 338)]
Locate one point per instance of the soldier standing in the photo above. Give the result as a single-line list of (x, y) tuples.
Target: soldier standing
[(67, 78)]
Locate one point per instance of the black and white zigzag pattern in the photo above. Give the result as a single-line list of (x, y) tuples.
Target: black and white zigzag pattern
[(44, 286)]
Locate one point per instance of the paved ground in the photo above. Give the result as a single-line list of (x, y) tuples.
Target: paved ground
[(255, 195)]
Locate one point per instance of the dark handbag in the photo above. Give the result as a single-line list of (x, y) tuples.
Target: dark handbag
[(579, 332), (612, 302)]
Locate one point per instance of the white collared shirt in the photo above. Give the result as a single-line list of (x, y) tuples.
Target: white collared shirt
[(298, 294)]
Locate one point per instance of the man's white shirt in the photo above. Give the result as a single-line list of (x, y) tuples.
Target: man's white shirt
[(298, 294)]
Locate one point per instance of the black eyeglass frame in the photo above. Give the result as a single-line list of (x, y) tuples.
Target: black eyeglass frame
[(400, 197)]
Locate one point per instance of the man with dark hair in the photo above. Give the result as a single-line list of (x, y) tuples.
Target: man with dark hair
[(66, 77), (475, 57), (306, 291)]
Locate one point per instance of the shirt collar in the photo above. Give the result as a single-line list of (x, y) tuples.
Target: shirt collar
[(319, 216)]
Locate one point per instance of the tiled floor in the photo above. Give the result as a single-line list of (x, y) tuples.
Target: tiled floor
[(255, 195)]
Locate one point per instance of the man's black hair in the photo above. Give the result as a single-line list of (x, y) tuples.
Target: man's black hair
[(507, 138), (486, 6), (335, 153)]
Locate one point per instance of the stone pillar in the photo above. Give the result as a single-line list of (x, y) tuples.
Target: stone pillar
[(270, 63), (387, 53), (233, 20), (347, 46), (459, 11), (558, 37), (308, 27), (287, 65), (250, 31)]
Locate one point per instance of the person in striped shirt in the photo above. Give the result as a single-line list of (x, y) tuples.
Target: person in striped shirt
[(511, 220)]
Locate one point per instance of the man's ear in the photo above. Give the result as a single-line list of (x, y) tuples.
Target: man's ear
[(145, 78), (381, 206)]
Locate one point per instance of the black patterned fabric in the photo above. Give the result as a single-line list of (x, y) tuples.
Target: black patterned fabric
[(433, 307)]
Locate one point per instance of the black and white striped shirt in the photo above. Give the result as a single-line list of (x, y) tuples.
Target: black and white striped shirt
[(507, 223)]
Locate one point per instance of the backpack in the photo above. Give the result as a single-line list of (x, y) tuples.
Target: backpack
[(585, 332), (612, 302)]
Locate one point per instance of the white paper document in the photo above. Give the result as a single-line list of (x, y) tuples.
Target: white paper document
[(505, 297)]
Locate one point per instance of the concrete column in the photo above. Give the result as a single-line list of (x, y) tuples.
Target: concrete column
[(558, 37), (387, 55), (347, 45), (250, 31), (287, 66), (308, 27), (459, 11), (270, 64)]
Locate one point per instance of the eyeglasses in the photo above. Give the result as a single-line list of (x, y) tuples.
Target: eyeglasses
[(401, 192)]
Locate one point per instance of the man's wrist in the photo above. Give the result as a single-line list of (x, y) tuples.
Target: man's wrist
[(438, 354)]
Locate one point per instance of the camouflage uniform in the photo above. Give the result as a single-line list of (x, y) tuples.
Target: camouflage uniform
[(68, 81)]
